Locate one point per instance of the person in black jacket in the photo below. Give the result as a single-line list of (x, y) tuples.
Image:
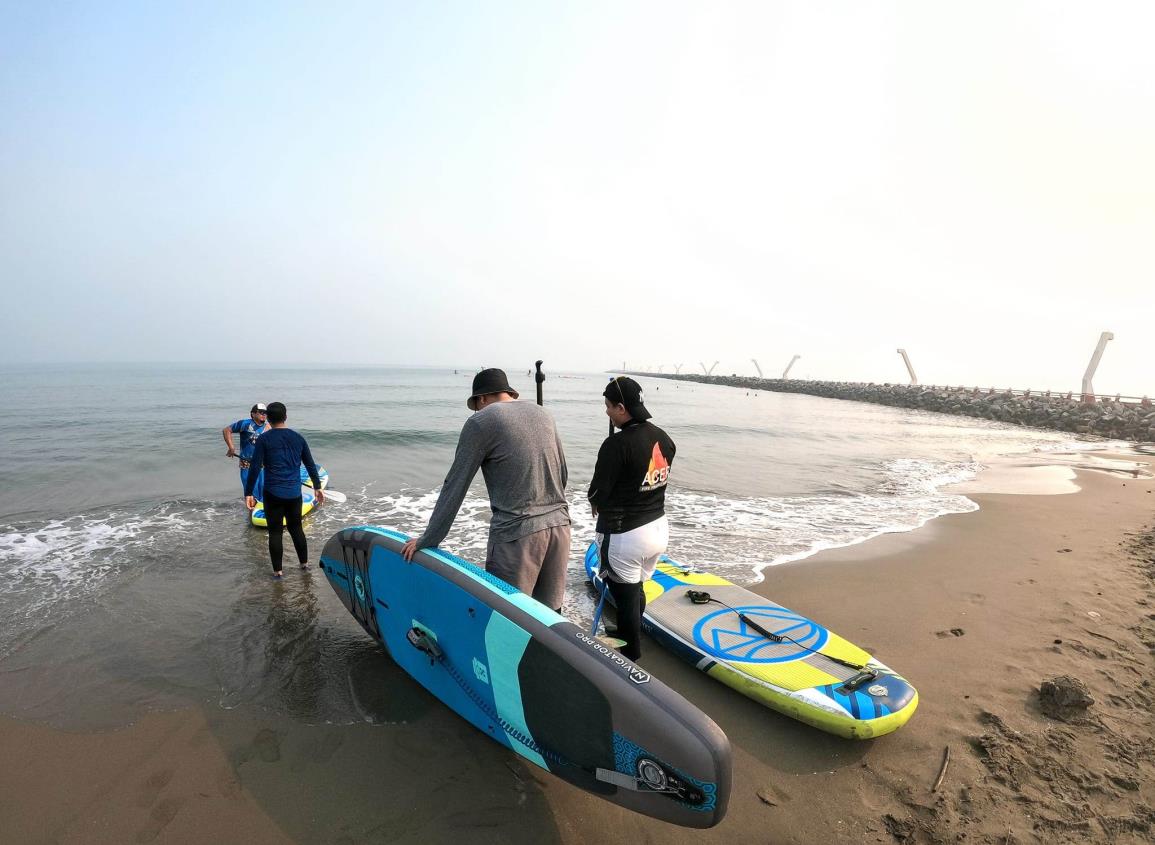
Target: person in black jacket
[(628, 497)]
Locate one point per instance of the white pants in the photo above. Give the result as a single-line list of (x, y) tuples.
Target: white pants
[(634, 554)]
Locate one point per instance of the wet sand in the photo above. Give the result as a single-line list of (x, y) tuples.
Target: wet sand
[(975, 609)]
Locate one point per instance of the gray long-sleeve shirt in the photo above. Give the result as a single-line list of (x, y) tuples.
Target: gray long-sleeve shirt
[(517, 447)]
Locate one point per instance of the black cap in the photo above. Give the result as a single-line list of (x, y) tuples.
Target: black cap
[(489, 381), (625, 391)]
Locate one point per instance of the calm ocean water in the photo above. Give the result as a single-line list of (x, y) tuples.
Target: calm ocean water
[(131, 578)]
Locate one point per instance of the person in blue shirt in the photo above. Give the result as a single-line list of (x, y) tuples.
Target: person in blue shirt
[(280, 451), (249, 430)]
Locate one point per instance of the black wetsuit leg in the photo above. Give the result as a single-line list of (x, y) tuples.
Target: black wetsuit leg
[(274, 519), (296, 531), (629, 600)]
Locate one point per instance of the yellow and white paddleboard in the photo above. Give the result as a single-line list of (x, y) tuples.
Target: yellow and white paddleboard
[(308, 498), (769, 653), (308, 502)]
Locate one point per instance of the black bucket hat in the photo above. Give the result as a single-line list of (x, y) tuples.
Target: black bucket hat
[(489, 381), (623, 390)]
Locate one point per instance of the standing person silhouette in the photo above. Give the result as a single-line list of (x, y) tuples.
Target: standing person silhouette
[(280, 452), (517, 448), (628, 497)]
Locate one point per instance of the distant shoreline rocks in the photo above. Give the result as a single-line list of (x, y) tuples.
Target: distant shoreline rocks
[(1062, 412)]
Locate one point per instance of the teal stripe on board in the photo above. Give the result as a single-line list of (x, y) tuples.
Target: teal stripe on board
[(504, 645), (384, 532), (545, 615)]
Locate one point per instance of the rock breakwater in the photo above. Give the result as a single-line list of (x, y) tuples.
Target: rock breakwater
[(1063, 412)]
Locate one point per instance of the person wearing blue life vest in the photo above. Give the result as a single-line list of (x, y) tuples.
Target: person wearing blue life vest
[(280, 451), (249, 430)]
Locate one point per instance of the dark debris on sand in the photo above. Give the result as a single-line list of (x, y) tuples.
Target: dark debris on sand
[(1089, 778), (1065, 698)]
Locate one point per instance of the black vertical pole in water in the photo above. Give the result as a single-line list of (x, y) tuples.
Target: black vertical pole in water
[(611, 421), (539, 378)]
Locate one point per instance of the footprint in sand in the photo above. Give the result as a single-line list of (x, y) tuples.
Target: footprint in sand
[(481, 817), (267, 745), (773, 796), (202, 736), (329, 746), (320, 750), (150, 790), (228, 784), (163, 813)]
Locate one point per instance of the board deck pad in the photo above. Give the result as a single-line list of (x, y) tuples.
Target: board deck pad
[(814, 676), (531, 680)]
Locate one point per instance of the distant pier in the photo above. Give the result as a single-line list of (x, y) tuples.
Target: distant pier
[(1118, 417)]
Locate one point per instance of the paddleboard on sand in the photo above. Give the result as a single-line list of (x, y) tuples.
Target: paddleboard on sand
[(308, 499), (801, 669), (532, 681)]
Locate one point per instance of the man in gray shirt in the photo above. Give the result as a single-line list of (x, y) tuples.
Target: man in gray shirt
[(517, 447)]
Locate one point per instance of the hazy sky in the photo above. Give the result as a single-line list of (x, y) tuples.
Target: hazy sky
[(468, 183)]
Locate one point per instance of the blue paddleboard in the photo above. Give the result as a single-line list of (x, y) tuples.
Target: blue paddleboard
[(532, 681)]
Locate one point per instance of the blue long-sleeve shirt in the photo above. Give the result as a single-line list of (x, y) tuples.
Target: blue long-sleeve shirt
[(281, 451)]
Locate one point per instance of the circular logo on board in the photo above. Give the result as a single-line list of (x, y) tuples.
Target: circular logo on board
[(359, 585), (725, 635)]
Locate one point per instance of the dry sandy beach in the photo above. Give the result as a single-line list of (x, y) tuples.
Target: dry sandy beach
[(975, 609)]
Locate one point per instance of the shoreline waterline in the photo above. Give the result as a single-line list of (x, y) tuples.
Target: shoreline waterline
[(133, 576), (985, 597)]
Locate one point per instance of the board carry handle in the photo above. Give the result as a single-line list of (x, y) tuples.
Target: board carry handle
[(424, 643), (866, 676)]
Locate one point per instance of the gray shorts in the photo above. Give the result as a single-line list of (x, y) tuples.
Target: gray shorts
[(536, 564)]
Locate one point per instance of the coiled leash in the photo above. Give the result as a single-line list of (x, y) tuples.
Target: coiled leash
[(864, 676), (601, 606), (603, 570)]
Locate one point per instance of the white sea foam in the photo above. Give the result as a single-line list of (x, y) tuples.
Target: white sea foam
[(736, 537), (56, 564)]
